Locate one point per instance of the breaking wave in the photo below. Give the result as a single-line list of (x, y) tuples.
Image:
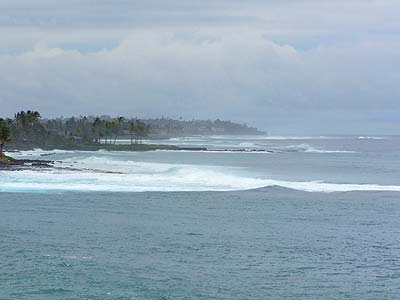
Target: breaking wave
[(371, 138), (103, 174), (309, 149), (39, 152)]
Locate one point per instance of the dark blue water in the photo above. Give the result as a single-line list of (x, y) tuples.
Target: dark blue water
[(272, 243)]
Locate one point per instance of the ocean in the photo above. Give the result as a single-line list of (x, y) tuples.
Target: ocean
[(302, 218)]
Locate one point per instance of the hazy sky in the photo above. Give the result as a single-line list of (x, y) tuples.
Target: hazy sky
[(287, 66)]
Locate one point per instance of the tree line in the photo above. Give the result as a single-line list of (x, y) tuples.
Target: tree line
[(28, 129)]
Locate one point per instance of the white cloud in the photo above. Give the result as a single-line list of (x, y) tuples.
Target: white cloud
[(219, 58)]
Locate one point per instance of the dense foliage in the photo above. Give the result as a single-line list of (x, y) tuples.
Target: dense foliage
[(165, 127), (5, 134), (28, 129)]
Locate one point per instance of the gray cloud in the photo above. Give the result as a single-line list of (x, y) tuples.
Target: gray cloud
[(284, 65)]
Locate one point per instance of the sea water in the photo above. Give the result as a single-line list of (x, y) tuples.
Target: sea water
[(310, 218)]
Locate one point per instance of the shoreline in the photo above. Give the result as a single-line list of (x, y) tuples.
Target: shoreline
[(107, 147), (8, 163)]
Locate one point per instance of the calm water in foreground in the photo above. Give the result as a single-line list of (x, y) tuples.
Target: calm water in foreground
[(317, 219)]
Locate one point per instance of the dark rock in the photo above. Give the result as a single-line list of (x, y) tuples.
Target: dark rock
[(26, 164)]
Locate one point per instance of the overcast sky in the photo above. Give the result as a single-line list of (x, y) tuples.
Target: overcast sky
[(286, 66)]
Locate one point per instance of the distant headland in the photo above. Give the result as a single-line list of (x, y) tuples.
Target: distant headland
[(28, 130)]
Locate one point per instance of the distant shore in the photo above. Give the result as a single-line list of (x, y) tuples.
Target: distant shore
[(12, 164), (107, 147)]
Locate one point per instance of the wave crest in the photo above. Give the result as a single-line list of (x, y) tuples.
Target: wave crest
[(106, 174)]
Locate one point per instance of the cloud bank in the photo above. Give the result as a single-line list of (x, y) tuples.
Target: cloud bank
[(295, 66)]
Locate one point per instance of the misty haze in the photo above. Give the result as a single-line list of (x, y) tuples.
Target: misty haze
[(199, 149)]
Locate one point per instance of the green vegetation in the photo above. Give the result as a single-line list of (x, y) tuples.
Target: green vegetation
[(166, 128), (29, 130), (5, 135)]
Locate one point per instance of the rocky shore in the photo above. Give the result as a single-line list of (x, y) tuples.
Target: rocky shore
[(10, 164)]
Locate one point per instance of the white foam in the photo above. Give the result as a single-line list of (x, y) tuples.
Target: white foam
[(309, 149), (114, 165), (165, 179), (370, 138), (233, 150), (119, 172), (314, 150), (39, 152), (105, 174), (324, 187), (263, 137), (247, 145)]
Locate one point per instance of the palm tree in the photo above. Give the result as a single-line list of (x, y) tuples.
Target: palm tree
[(109, 128), (132, 130), (96, 129), (140, 130), (5, 134), (117, 126)]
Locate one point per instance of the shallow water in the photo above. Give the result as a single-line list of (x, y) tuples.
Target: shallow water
[(316, 219)]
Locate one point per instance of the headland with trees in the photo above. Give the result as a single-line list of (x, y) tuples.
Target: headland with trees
[(28, 130)]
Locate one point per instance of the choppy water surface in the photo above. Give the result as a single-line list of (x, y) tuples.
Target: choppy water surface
[(316, 165), (316, 218)]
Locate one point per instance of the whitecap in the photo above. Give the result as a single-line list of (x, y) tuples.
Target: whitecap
[(309, 149), (107, 175)]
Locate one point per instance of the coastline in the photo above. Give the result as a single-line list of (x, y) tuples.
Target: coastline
[(107, 147), (8, 163)]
